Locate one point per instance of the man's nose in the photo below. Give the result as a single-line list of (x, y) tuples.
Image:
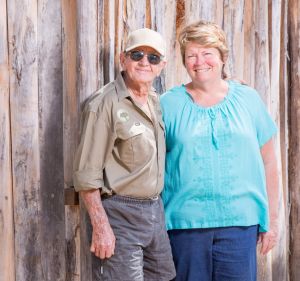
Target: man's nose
[(144, 60)]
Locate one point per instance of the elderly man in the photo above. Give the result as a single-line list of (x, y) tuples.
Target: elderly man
[(119, 168)]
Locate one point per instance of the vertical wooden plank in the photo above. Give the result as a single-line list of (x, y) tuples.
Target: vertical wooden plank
[(50, 88), (87, 83), (7, 265), (23, 51), (249, 42), (219, 13), (109, 41), (294, 144), (87, 48), (101, 42), (173, 52), (70, 134), (234, 29), (182, 15), (284, 126), (262, 74), (167, 28), (119, 31), (135, 14), (199, 10), (262, 85), (279, 253)]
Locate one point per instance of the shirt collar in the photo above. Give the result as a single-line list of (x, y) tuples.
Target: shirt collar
[(121, 88)]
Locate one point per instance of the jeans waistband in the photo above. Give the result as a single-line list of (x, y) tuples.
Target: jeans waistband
[(132, 200)]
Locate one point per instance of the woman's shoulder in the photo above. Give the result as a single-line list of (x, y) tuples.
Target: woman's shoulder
[(243, 91), (240, 87), (171, 100), (175, 92)]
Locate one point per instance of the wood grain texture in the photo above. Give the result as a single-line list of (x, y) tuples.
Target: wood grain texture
[(50, 102), (23, 57), (262, 85), (7, 265), (234, 27), (262, 68), (109, 42), (87, 84), (279, 253), (284, 110), (71, 116), (41, 95), (119, 31), (161, 10), (249, 43), (294, 143)]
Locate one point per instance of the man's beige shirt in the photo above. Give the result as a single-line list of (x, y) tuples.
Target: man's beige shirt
[(122, 149)]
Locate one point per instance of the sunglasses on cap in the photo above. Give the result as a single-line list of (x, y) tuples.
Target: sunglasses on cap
[(138, 55)]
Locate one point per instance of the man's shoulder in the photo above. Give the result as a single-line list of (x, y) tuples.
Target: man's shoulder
[(104, 97)]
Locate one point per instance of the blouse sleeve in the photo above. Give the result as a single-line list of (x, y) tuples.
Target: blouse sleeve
[(265, 126)]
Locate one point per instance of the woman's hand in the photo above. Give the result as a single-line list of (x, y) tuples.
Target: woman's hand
[(268, 239)]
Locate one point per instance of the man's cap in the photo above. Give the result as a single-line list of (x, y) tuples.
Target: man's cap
[(146, 37)]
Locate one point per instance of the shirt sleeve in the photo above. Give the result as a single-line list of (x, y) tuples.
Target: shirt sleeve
[(265, 126), (96, 144)]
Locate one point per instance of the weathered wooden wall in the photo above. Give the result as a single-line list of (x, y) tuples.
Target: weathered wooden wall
[(7, 252), (33, 236), (294, 143), (54, 54)]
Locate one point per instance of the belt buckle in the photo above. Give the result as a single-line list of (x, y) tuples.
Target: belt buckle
[(154, 198)]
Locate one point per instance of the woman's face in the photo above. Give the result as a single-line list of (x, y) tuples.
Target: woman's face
[(141, 71), (203, 64)]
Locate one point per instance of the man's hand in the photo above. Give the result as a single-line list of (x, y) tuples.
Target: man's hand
[(103, 241), (103, 238)]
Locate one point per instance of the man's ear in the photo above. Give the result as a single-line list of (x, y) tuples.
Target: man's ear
[(122, 59), (164, 63)]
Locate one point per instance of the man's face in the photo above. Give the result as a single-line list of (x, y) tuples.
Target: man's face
[(141, 71)]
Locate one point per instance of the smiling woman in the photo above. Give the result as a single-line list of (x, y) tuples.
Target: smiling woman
[(212, 126)]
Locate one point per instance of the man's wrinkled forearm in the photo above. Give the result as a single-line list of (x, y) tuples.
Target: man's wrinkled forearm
[(93, 204)]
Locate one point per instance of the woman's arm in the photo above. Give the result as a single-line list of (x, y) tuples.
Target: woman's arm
[(269, 239)]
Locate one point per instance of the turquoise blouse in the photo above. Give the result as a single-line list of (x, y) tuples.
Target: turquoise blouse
[(214, 170)]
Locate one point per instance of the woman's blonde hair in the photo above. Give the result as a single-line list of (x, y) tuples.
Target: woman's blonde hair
[(205, 33)]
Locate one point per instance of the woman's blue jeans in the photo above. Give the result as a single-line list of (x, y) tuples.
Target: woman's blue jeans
[(215, 254)]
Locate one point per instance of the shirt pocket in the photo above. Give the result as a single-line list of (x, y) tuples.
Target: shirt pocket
[(132, 145)]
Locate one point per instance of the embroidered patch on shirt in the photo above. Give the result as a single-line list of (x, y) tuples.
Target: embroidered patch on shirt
[(123, 115)]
